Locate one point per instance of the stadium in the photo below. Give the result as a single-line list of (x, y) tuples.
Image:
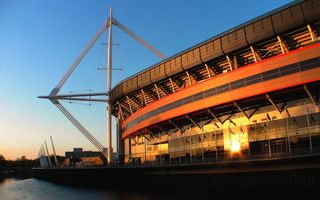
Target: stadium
[(250, 92)]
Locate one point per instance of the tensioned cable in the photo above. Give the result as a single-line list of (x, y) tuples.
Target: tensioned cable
[(83, 130)]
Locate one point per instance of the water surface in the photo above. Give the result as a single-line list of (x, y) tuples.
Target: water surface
[(34, 189)]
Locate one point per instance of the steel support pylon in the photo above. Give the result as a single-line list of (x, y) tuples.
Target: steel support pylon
[(109, 83), (54, 97)]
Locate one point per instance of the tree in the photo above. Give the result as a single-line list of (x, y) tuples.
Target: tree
[(2, 161)]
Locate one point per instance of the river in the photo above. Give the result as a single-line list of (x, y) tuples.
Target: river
[(34, 189)]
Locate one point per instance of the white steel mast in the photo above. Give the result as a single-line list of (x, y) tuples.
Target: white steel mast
[(54, 95), (109, 79)]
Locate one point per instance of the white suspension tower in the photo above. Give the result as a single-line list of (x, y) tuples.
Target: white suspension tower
[(109, 84), (54, 97)]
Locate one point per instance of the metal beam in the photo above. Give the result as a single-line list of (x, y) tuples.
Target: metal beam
[(229, 62), (150, 133), (310, 95), (147, 137), (228, 118), (109, 86), (235, 62), (255, 110), (312, 35), (74, 65), (176, 126), (160, 128), (44, 154), (172, 85), (232, 122), (189, 78), (208, 70), (215, 124), (214, 116), (189, 75), (125, 107), (54, 152), (74, 95), (272, 102), (175, 83), (193, 77), (282, 45), (195, 123), (241, 110), (134, 140), (82, 129), (144, 97), (49, 160), (82, 99), (129, 104), (157, 89), (120, 110), (140, 40), (256, 56)]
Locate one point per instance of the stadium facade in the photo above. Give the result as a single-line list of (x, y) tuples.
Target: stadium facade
[(250, 92)]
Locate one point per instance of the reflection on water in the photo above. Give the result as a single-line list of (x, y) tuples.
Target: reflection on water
[(34, 189)]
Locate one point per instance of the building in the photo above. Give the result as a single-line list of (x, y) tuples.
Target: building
[(252, 91), (78, 157)]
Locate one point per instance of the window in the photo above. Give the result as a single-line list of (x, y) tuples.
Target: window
[(290, 69), (222, 88), (270, 74), (237, 84), (253, 79), (309, 64)]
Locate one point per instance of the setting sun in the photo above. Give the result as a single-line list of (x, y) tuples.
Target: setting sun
[(235, 146)]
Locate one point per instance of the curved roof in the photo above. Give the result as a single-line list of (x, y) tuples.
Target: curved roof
[(265, 26)]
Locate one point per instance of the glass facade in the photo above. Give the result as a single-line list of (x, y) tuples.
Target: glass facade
[(267, 137)]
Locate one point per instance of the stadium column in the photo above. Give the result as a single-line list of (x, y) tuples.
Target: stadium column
[(308, 124), (312, 35)]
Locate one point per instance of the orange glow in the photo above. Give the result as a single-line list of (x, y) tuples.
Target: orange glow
[(235, 146)]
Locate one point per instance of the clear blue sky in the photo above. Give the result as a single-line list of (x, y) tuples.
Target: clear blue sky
[(39, 40)]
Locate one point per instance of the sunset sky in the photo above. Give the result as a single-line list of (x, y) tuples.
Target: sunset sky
[(40, 39)]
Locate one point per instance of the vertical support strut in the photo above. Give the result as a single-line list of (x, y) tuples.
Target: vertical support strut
[(235, 62), (120, 110), (310, 95), (308, 124), (44, 154), (109, 68), (157, 89), (255, 54), (128, 99), (312, 35), (229, 62), (54, 152), (189, 78), (144, 97), (282, 45), (49, 160), (172, 85), (208, 71)]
